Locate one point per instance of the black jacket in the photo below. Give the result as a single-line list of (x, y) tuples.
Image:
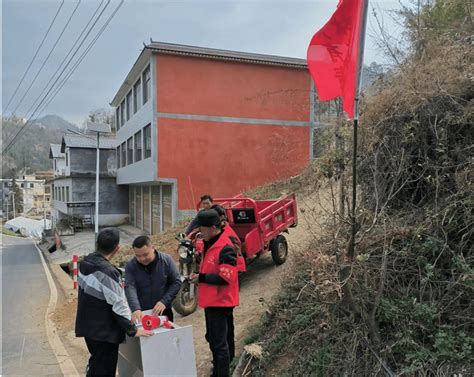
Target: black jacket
[(102, 311), (191, 226), (145, 288)]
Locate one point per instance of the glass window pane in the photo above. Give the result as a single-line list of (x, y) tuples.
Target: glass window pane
[(146, 85), (147, 141), (137, 89), (138, 146), (124, 155), (129, 105), (129, 151)]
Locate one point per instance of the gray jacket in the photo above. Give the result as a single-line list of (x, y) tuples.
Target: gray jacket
[(144, 289)]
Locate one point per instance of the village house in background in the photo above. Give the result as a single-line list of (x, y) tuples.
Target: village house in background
[(192, 121), (36, 195), (73, 188)]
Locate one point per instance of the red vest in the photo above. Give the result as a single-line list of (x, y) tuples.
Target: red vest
[(218, 295), (241, 267)]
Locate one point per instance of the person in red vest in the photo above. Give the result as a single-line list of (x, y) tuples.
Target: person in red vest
[(226, 228), (218, 289)]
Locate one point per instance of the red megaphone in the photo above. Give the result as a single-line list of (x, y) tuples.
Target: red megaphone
[(150, 322)]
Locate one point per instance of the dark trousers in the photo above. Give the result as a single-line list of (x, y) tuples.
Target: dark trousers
[(220, 335), (103, 360)]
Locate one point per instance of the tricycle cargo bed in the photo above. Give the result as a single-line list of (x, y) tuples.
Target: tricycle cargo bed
[(258, 222)]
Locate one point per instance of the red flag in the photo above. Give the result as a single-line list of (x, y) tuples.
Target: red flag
[(333, 54)]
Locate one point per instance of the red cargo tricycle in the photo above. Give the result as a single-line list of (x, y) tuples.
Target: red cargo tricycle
[(259, 224)]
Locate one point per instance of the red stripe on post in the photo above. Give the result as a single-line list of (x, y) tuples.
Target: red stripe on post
[(74, 271)]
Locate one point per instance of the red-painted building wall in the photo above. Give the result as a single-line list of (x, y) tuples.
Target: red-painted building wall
[(208, 115)]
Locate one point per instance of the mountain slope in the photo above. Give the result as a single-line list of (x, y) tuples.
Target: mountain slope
[(31, 150)]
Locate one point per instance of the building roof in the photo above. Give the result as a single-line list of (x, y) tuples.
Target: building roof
[(201, 52), (55, 151), (79, 141), (213, 53)]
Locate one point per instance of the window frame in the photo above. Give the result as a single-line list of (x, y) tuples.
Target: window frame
[(146, 84), (130, 151), (147, 145), (138, 152)]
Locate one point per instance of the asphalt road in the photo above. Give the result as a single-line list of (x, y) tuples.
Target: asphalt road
[(25, 296)]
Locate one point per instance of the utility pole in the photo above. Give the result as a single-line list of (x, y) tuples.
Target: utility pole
[(13, 203), (98, 128), (97, 167), (8, 197), (44, 205)]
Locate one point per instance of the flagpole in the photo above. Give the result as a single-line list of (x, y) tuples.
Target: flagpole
[(354, 227)]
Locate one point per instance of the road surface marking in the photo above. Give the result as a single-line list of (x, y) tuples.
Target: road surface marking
[(22, 349), (64, 361)]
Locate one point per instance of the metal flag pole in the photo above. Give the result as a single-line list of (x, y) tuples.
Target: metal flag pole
[(354, 225)]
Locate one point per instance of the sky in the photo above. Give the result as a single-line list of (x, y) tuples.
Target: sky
[(273, 27)]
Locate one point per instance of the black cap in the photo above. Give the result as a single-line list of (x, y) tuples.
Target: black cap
[(208, 218)]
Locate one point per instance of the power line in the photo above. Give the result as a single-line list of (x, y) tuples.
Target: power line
[(88, 49), (72, 47), (47, 58), (54, 74), (34, 57), (81, 58)]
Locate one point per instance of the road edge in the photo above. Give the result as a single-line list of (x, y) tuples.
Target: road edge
[(64, 360)]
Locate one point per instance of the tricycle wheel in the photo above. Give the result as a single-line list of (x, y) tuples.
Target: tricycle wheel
[(279, 248), (184, 304)]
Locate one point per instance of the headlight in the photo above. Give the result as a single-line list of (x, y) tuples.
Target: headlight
[(182, 252)]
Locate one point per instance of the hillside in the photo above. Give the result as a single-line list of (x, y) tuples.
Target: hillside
[(31, 151), (404, 305)]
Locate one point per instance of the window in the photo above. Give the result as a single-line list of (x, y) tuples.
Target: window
[(122, 114), (67, 154), (129, 104), (67, 194), (146, 85), (117, 117), (118, 157), (147, 141), (63, 195), (138, 146), (5, 184), (137, 88), (124, 155), (22, 185), (129, 151), (32, 185)]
